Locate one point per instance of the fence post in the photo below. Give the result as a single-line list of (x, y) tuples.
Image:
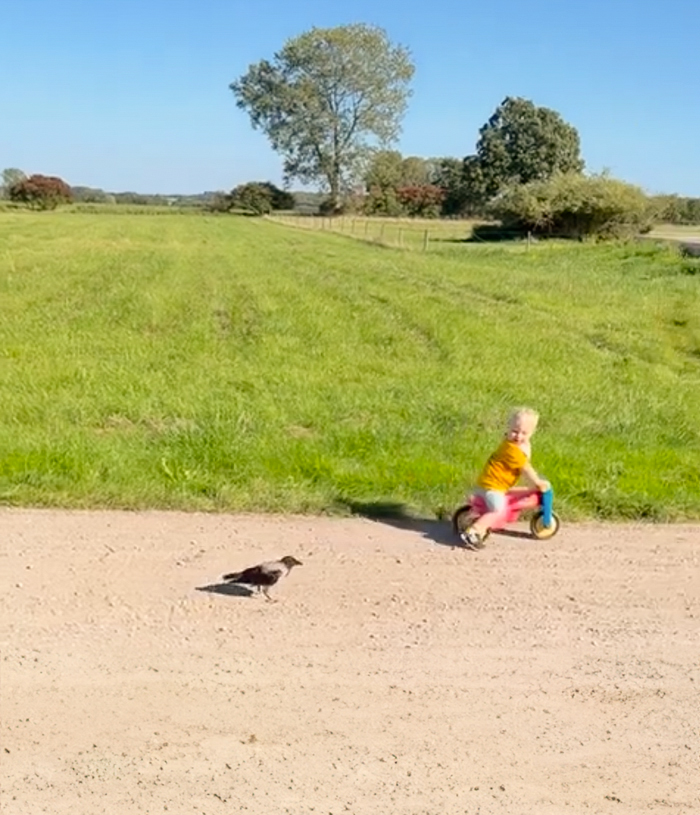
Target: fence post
[(381, 233), (400, 237), (425, 240)]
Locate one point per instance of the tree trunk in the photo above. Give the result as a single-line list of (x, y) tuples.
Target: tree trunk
[(335, 175)]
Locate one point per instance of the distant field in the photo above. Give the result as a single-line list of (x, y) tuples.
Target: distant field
[(233, 363), (428, 233), (405, 233), (676, 232)]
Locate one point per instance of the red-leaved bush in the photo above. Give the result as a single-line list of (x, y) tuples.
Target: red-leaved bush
[(41, 192), (422, 201)]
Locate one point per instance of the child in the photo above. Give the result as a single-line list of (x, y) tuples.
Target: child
[(502, 471)]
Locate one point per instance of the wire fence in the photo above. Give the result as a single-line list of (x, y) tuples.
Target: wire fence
[(400, 233)]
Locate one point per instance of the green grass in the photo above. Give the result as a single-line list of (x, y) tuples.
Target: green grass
[(236, 364)]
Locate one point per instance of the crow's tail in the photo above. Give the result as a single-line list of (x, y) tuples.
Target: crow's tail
[(232, 576)]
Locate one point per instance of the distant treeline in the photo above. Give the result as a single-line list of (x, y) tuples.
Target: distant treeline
[(92, 195), (567, 204), (672, 209), (255, 196), (675, 209)]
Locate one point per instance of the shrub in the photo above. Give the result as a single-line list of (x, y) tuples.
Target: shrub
[(574, 206), (41, 192), (421, 200)]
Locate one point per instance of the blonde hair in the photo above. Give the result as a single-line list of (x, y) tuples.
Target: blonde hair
[(523, 414)]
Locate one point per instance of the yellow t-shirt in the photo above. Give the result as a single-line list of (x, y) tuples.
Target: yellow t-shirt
[(503, 468)]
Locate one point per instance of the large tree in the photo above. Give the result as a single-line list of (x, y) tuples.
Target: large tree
[(522, 142), (327, 98)]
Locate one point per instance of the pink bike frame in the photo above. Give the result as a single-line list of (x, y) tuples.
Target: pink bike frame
[(517, 501)]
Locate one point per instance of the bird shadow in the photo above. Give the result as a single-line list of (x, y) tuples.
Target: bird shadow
[(228, 589)]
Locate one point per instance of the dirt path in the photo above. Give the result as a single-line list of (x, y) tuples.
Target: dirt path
[(395, 675)]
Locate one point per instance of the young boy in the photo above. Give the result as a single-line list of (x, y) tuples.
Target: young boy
[(502, 472)]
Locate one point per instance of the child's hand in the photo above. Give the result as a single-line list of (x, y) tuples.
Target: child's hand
[(531, 474)]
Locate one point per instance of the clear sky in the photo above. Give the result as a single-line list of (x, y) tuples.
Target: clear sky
[(133, 94)]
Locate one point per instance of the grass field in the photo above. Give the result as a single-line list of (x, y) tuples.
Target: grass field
[(236, 364)]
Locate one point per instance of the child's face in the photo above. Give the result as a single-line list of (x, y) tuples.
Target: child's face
[(521, 431)]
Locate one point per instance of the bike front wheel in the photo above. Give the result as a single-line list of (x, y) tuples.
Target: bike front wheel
[(539, 530)]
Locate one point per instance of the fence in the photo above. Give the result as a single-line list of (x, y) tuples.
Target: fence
[(400, 233)]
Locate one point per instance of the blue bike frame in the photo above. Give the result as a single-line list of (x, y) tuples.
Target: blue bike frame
[(547, 501)]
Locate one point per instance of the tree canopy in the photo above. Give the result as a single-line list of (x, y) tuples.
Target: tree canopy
[(388, 168), (326, 99), (522, 142), (10, 177), (401, 186)]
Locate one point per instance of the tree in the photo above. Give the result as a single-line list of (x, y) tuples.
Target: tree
[(416, 171), (41, 192), (463, 184), (326, 98), (279, 199), (522, 143), (384, 170), (253, 197), (673, 209), (257, 197), (10, 176), (387, 174)]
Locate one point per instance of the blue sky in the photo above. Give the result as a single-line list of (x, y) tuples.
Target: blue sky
[(133, 94)]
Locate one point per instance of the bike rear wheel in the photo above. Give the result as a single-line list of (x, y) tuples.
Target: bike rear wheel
[(462, 519)]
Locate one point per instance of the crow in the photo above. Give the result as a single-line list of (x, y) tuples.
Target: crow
[(264, 575)]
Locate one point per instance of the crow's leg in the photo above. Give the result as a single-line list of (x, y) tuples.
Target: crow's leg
[(267, 596)]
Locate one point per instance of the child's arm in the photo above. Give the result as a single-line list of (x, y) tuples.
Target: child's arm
[(530, 473)]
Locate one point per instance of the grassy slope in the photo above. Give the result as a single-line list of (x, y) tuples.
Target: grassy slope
[(222, 363)]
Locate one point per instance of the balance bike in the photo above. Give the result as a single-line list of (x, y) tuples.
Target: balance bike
[(544, 522)]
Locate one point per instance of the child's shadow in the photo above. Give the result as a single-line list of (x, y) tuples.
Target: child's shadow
[(395, 514), (437, 530)]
